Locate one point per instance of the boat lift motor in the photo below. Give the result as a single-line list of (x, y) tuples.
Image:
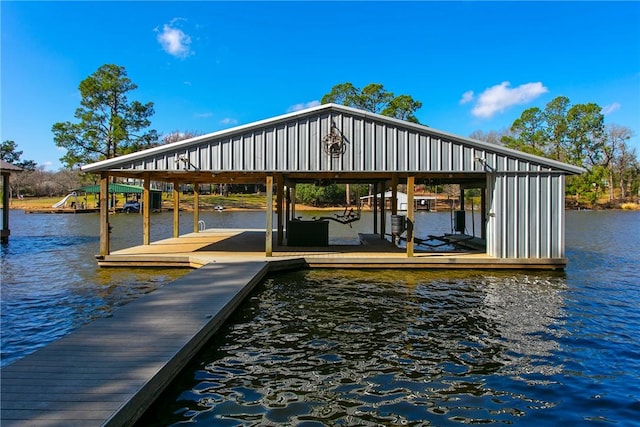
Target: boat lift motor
[(459, 221), (398, 226)]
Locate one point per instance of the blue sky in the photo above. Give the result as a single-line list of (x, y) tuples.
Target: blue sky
[(213, 65)]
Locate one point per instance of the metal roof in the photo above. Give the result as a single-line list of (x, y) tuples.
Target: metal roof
[(329, 138)]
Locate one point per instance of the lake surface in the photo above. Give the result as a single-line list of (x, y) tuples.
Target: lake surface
[(431, 347), (51, 283), (326, 347)]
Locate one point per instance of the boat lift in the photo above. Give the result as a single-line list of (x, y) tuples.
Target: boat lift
[(347, 217), (457, 238)]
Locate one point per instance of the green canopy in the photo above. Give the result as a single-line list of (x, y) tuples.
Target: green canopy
[(113, 188)]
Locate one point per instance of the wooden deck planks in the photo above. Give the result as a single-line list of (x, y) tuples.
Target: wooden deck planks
[(198, 249), (110, 370)]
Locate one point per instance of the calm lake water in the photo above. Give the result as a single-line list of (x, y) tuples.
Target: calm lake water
[(327, 347)]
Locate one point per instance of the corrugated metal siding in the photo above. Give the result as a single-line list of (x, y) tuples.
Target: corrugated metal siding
[(296, 145), (526, 215)]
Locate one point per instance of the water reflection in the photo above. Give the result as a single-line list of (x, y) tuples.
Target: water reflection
[(526, 311), (364, 348)]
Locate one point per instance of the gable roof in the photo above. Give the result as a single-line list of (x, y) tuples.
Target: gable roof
[(7, 167), (330, 138)]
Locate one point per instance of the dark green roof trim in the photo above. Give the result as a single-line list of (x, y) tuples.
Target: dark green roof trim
[(113, 188)]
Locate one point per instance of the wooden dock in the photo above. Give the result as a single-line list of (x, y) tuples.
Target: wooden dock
[(222, 245), (109, 371), (60, 211)]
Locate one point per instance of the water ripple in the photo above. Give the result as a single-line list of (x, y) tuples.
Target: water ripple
[(368, 348), (391, 348), (320, 347)]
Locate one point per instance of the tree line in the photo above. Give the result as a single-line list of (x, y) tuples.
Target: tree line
[(108, 125), (577, 134)]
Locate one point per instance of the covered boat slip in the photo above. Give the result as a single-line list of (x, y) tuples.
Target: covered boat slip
[(522, 196)]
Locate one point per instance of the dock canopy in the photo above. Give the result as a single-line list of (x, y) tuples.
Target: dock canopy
[(522, 194), (113, 188), (6, 169), (155, 196)]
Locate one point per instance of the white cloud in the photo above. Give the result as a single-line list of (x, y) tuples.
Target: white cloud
[(203, 115), (303, 106), (498, 98), (466, 97), (174, 41), (228, 121), (608, 109)]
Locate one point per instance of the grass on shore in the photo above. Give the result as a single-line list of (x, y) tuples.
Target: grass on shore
[(630, 206), (206, 202), (239, 201)]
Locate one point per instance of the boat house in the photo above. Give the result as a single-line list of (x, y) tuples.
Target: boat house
[(6, 169), (522, 195)]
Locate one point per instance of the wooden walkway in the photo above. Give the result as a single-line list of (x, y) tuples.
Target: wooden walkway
[(109, 371)]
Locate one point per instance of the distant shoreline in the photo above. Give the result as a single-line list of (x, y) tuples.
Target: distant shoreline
[(45, 204)]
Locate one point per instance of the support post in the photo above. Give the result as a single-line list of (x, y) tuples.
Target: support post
[(410, 215), (279, 201), (287, 217), (146, 210), (483, 213), (375, 208), (394, 194), (196, 206), (5, 209), (347, 188), (105, 228), (383, 205), (269, 228), (293, 201), (176, 209)]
